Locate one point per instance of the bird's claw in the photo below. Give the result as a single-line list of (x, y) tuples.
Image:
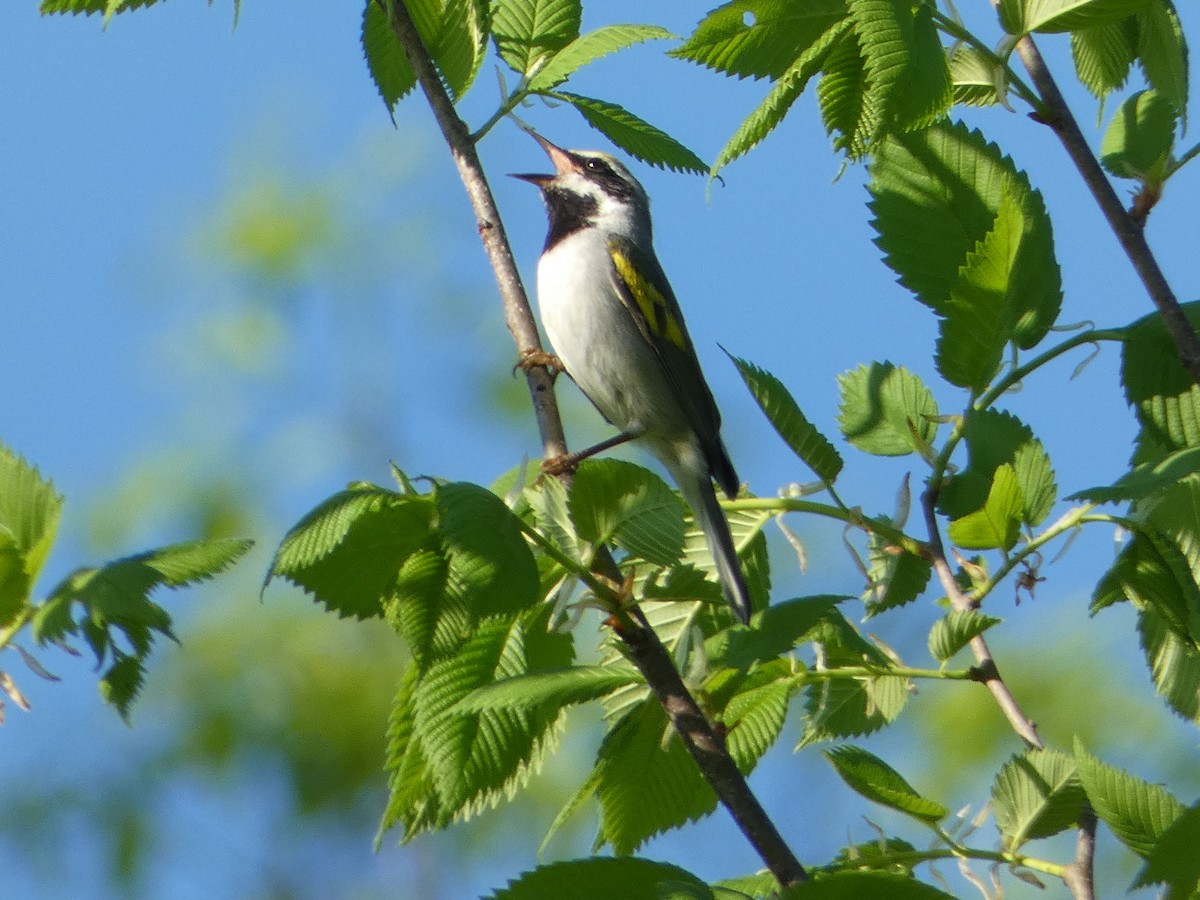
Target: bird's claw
[(532, 358)]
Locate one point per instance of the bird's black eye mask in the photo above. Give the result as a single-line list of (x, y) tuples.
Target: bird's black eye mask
[(601, 173)]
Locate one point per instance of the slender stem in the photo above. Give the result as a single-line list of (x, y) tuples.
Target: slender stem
[(916, 857), (864, 672), (1128, 232), (1019, 373), (643, 645), (1070, 519), (851, 516), (988, 672)]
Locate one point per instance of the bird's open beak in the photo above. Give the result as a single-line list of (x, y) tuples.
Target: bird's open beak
[(563, 162)]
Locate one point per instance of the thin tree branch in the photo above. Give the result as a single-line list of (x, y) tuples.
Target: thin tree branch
[(1129, 233), (647, 652), (1079, 874), (985, 664)]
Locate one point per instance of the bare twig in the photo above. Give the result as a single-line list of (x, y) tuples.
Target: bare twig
[(1079, 875), (647, 652), (1124, 225), (985, 664)]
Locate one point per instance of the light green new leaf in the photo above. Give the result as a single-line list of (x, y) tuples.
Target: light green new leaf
[(897, 578), (994, 438), (874, 779), (907, 77), (590, 47), (1036, 794), (1165, 398), (886, 410), (527, 32), (1103, 55), (558, 688), (760, 38), (635, 136), (955, 631), (1145, 480), (348, 550), (786, 90), (998, 523), (1163, 52), (937, 194), (1174, 861), (613, 501), (29, 513), (978, 317), (1140, 138), (1174, 664), (849, 112), (491, 566), (646, 781), (978, 79), (599, 878), (860, 885), (474, 759), (754, 716), (774, 631), (1137, 812), (776, 401), (1056, 16)]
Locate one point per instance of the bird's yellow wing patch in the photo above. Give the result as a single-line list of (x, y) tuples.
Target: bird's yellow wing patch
[(649, 299)]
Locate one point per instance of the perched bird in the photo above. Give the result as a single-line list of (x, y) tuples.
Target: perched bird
[(615, 324)]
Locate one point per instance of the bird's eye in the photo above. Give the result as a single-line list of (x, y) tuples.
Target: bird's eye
[(597, 165)]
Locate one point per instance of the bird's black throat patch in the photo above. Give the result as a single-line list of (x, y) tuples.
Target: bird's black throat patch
[(569, 212)]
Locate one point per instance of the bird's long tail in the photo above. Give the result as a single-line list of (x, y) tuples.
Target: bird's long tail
[(697, 490)]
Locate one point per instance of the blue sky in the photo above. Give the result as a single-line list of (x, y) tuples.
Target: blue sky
[(118, 146)]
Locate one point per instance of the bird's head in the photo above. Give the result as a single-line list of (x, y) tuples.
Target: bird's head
[(592, 189)]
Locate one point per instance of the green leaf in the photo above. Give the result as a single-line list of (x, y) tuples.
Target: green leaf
[(955, 631), (773, 631), (1163, 52), (1165, 398), (786, 90), (599, 878), (759, 38), (348, 551), (907, 77), (1036, 795), (1153, 572), (633, 135), (420, 605), (874, 779), (115, 597), (1140, 138), (754, 716), (1057, 16), (978, 79), (746, 527), (462, 44), (996, 438), (646, 781), (556, 689), (997, 524), (813, 448), (850, 114), (897, 577), (937, 195), (91, 7), (1137, 812), (29, 514), (1103, 55), (613, 501), (491, 565), (588, 48), (448, 764), (1174, 664), (860, 885), (1145, 480), (1173, 861), (527, 32), (886, 410)]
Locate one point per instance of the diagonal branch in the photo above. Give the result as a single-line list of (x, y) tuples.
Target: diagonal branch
[(652, 659), (1127, 230), (985, 664)]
